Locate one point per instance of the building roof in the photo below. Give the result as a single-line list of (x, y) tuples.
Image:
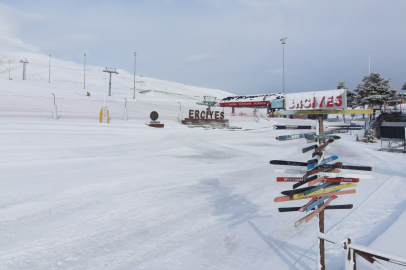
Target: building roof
[(393, 124)]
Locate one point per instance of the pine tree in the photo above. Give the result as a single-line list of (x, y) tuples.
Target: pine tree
[(403, 95), (374, 90), (351, 96)]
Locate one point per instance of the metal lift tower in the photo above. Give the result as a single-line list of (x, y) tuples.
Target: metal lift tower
[(110, 70), (24, 62)]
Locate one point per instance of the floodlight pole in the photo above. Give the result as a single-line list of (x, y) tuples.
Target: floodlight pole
[(104, 90), (24, 62), (84, 72), (369, 64), (110, 70), (49, 80), (283, 40), (135, 56)]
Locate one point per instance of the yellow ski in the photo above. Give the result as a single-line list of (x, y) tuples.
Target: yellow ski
[(325, 190)]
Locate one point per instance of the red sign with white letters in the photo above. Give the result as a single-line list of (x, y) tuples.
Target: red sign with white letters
[(322, 100)]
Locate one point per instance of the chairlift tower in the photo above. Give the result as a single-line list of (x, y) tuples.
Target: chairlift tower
[(24, 73), (110, 70), (208, 101)]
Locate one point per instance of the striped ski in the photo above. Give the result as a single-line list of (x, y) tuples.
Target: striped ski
[(312, 215)]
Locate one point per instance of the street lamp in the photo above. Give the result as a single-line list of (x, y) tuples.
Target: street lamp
[(135, 56), (180, 113), (49, 80), (84, 72), (283, 40)]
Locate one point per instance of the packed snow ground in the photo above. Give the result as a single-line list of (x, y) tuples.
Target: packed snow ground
[(77, 194)]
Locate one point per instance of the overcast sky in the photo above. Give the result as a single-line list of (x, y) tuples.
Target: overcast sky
[(232, 45)]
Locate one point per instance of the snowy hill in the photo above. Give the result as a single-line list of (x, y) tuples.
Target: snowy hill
[(77, 194)]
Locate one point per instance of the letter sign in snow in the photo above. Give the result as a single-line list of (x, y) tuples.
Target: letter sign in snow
[(322, 100)]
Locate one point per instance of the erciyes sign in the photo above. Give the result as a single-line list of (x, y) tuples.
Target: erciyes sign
[(321, 100)]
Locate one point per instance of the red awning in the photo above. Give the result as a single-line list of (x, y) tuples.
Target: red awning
[(245, 104)]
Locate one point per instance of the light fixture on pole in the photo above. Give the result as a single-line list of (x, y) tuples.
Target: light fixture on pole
[(110, 70), (24, 73), (180, 113), (283, 40), (135, 56), (84, 72), (49, 80)]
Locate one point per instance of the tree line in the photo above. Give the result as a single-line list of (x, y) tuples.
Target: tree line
[(374, 90)]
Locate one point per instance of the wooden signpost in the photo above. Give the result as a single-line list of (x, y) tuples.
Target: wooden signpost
[(324, 184)]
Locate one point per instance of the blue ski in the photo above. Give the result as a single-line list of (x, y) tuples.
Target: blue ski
[(310, 207), (311, 166), (292, 137)]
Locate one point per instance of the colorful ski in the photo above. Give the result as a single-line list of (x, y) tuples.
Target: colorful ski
[(290, 198), (346, 167), (303, 208), (314, 171), (290, 163), (312, 215), (316, 203), (279, 170), (322, 137), (295, 191), (329, 207), (293, 127), (311, 183), (324, 161), (321, 147), (323, 191), (346, 175), (324, 185), (314, 177), (335, 131)]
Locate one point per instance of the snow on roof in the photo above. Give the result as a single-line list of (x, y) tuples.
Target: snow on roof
[(394, 124), (259, 97)]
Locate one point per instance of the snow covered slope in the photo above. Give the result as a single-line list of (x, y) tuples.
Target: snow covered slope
[(77, 194)]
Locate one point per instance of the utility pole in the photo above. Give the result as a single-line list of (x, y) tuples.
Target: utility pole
[(135, 56), (49, 80), (110, 70), (283, 40), (9, 69), (24, 62), (84, 72)]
